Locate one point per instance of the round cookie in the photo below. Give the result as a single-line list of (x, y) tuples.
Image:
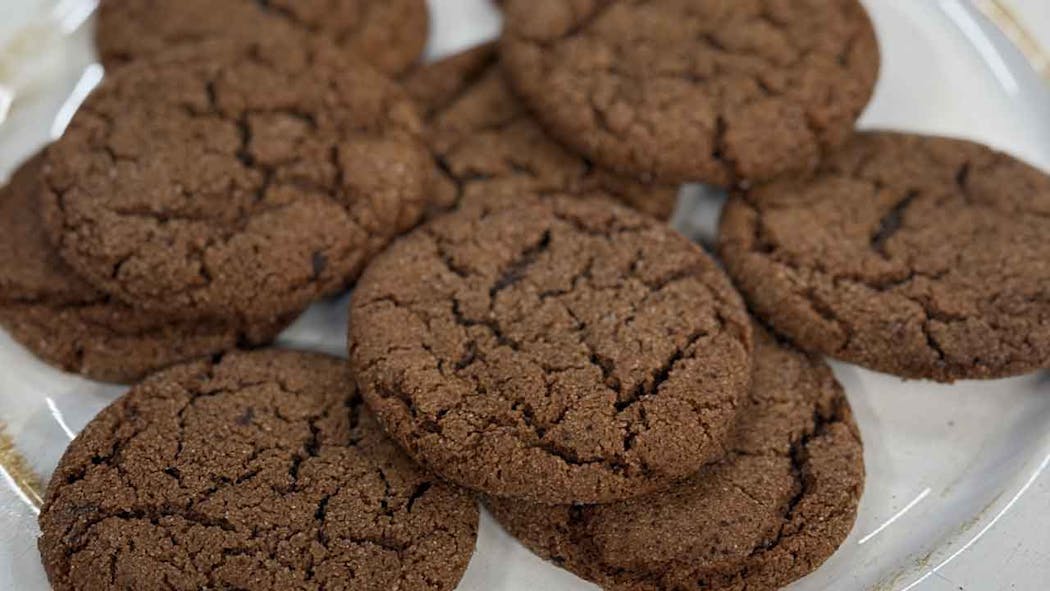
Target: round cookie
[(694, 90), (261, 471), (774, 510), (557, 349), (232, 180), (918, 256), (480, 134), (70, 325), (390, 34)]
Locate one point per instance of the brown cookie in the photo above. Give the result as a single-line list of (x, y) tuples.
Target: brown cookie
[(773, 511), (261, 471), (559, 349), (70, 325), (226, 180), (694, 90), (917, 256), (480, 133), (389, 34)]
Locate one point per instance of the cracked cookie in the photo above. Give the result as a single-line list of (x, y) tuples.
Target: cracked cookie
[(389, 34), (558, 349), (774, 510), (480, 134), (67, 323), (230, 180), (918, 256), (694, 90), (259, 471)]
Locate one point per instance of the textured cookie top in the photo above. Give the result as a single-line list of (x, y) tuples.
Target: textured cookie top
[(481, 135), (235, 180), (559, 349), (46, 307), (694, 90), (259, 472), (390, 34), (774, 510), (922, 257)]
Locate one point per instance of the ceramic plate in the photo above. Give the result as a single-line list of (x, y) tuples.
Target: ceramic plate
[(958, 489)]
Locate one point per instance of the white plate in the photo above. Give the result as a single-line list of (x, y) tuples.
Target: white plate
[(958, 488)]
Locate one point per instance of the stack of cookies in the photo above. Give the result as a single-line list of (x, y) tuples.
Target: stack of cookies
[(525, 329), (209, 191)]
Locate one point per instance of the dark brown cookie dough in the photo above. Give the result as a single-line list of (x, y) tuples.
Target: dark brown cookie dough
[(389, 34), (70, 325), (773, 511), (262, 471), (694, 90), (245, 181), (917, 256), (559, 349), (480, 134)]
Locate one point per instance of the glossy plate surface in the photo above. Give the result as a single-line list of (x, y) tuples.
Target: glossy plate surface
[(958, 485)]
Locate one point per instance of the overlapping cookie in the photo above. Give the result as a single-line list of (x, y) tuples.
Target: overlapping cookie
[(694, 90), (232, 180), (772, 511), (552, 348), (919, 256), (73, 326), (481, 135)]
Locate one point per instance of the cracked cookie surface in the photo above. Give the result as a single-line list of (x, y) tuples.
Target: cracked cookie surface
[(262, 471), (69, 324), (389, 34), (482, 135), (773, 511), (918, 256), (232, 180), (686, 90), (559, 349)]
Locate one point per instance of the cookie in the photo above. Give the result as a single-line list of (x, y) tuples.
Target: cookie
[(480, 133), (261, 471), (230, 180), (70, 325), (774, 510), (694, 90), (918, 256), (390, 34), (557, 349), (435, 85)]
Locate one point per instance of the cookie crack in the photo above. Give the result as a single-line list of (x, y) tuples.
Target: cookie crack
[(517, 269), (891, 223), (659, 376)]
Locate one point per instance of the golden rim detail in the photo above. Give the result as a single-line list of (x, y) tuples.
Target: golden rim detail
[(1009, 23), (15, 467)]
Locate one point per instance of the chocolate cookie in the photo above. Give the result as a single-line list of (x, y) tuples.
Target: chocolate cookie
[(390, 34), (231, 180), (558, 349), (773, 511), (261, 471), (68, 324), (917, 256), (694, 90), (480, 134)]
